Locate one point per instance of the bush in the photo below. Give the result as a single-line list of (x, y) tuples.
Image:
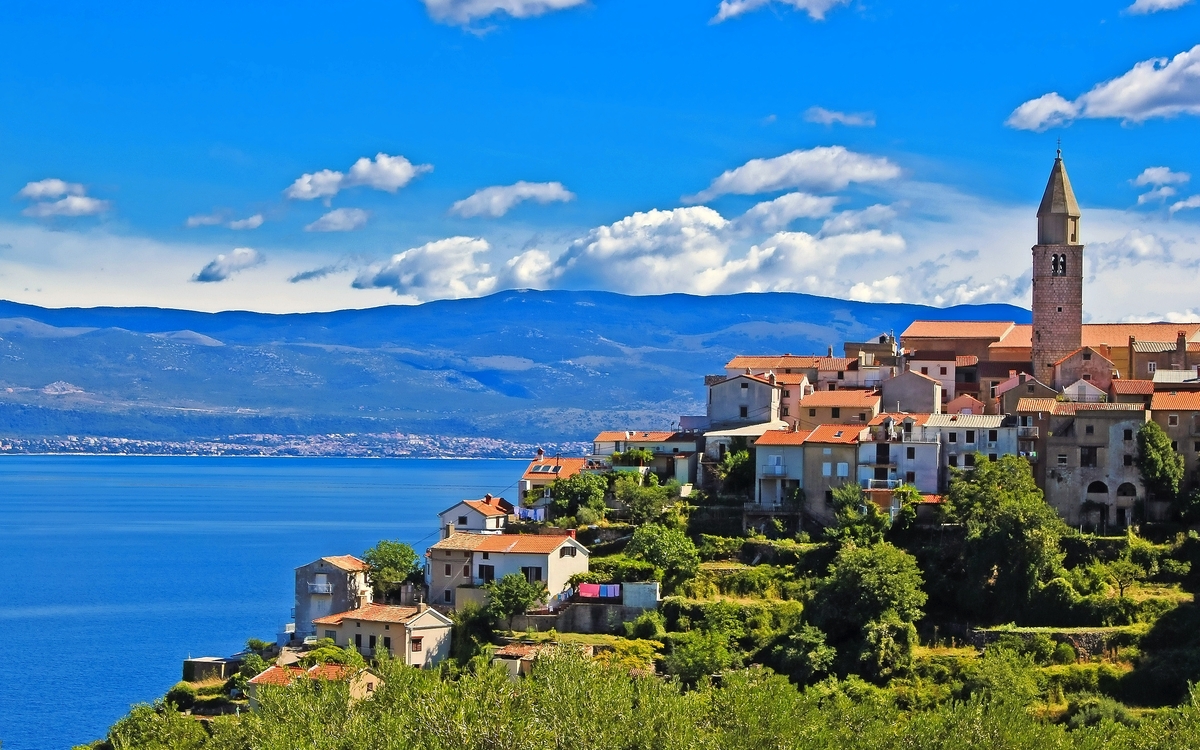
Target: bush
[(1092, 710), (649, 625), (1064, 653), (182, 694), (720, 547), (622, 569), (699, 653)]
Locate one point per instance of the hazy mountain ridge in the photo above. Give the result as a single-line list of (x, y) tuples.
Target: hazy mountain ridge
[(519, 365)]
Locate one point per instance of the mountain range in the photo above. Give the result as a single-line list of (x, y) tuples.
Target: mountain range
[(516, 365)]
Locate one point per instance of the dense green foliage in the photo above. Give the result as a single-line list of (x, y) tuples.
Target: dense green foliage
[(667, 549), (513, 595), (736, 472), (1161, 467), (392, 563), (581, 491)]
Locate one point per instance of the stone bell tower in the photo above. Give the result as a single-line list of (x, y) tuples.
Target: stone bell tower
[(1057, 276)]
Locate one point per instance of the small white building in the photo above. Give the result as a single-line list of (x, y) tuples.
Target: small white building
[(939, 365), (780, 466), (488, 515), (459, 564), (419, 635), (964, 435), (744, 400), (896, 452)]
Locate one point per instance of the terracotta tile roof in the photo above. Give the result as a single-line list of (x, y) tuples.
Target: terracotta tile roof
[(488, 508), (1175, 401), (956, 329), (792, 378), (551, 467), (375, 612), (348, 563), (1133, 387), (329, 671), (518, 650), (276, 675), (638, 436), (828, 364), (1101, 351), (835, 433), (1117, 334), (933, 355), (782, 437), (1068, 408), (1019, 337), (898, 417), (1037, 404), (964, 402), (762, 363), (966, 360), (933, 499), (534, 544), (849, 398)]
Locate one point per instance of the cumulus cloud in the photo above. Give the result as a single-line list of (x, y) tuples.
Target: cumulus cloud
[(777, 214), (1153, 88), (823, 116), (444, 269), (72, 199), (465, 11), (498, 200), (1141, 7), (339, 220), (388, 173), (1192, 202), (816, 9), (847, 222), (824, 168), (219, 218), (226, 265), (1135, 247), (1157, 194), (1160, 176)]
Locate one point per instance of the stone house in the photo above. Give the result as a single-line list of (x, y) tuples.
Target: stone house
[(911, 391), (838, 407), (1020, 386), (1131, 391), (460, 564), (330, 584), (1089, 364), (779, 470), (963, 435), (417, 635), (830, 461), (1148, 357), (939, 364), (1178, 413), (743, 400)]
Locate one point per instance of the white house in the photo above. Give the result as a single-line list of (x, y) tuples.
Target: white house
[(964, 435), (939, 365), (743, 400), (419, 635), (459, 564), (780, 467), (897, 452), (487, 515)]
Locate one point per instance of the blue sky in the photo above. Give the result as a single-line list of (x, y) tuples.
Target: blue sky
[(875, 150)]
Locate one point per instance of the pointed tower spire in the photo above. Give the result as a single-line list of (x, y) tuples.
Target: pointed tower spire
[(1058, 216)]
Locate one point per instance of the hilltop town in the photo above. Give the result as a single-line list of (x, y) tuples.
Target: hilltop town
[(970, 511)]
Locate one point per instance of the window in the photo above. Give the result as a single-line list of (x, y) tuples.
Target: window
[(862, 416), (1088, 456), (1172, 420), (828, 496), (462, 520), (952, 437), (743, 412), (833, 386), (787, 393), (358, 638), (1062, 459), (993, 435), (1175, 445), (969, 459), (910, 453), (417, 644), (841, 375), (953, 459), (827, 451), (745, 386), (826, 469), (1029, 389), (1128, 460), (331, 635), (991, 456), (370, 687), (1151, 367), (970, 436), (387, 643), (1197, 446), (448, 573), (836, 412), (924, 370), (1128, 435), (812, 412), (843, 469), (1087, 376), (784, 411), (487, 573), (942, 370), (466, 571), (446, 596), (910, 477), (1087, 356), (1089, 429), (567, 551), (487, 555), (532, 573)]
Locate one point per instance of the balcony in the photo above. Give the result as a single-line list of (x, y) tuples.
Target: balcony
[(1027, 432), (774, 470), (881, 484), (320, 588), (1031, 455), (770, 508)]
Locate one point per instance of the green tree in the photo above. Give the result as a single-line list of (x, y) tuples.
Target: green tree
[(392, 564), (803, 654), (513, 595), (858, 520), (645, 504), (334, 655), (696, 654), (863, 585), (736, 472), (1012, 535), (887, 646), (579, 491), (634, 457), (159, 727), (1160, 466), (668, 549), (1124, 573)]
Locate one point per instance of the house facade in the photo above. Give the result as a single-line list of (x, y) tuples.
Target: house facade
[(838, 407), (780, 468), (830, 461), (1178, 413), (895, 451), (963, 435), (910, 391), (330, 584), (419, 635), (488, 515), (743, 400), (459, 564), (939, 364)]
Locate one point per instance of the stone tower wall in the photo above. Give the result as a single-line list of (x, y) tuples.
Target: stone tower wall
[(1057, 308)]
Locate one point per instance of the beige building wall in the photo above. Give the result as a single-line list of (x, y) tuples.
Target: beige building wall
[(827, 467)]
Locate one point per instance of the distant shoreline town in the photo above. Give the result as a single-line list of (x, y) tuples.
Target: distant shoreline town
[(343, 445)]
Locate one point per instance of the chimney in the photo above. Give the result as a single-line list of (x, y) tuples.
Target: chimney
[(421, 607), (831, 350), (449, 531), (771, 377), (540, 453), (571, 533), (1181, 343), (487, 499)]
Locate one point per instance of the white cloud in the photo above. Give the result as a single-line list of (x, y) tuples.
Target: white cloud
[(816, 9), (339, 220), (71, 205), (777, 214), (1192, 202), (436, 270), (848, 222), (1152, 88), (388, 173), (823, 168), (49, 188), (219, 218), (1157, 194), (466, 11), (497, 200), (1135, 247), (824, 116), (1160, 176), (1141, 7), (73, 201), (224, 266), (529, 270)]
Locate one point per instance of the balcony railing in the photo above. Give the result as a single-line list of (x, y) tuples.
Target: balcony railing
[(881, 484), (774, 470), (1027, 432), (320, 588)]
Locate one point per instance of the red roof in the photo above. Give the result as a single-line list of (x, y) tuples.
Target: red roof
[(348, 563), (827, 364), (283, 676), (518, 650), (374, 612), (782, 437), (835, 433), (1068, 408), (1095, 350), (554, 468), (957, 329), (964, 401), (1133, 387), (534, 544), (898, 417), (849, 398), (762, 363), (1175, 401), (966, 360), (486, 507)]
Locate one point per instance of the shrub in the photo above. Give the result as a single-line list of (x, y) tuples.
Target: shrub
[(699, 653), (1091, 710), (1064, 653), (621, 569), (649, 625), (182, 694)]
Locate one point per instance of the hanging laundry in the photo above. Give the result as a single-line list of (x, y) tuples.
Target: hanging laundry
[(589, 590)]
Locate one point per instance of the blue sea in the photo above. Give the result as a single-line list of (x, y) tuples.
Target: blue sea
[(116, 569)]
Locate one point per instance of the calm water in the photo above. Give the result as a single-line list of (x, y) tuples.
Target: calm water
[(115, 569)]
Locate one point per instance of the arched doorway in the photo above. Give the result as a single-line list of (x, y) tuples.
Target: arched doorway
[(1095, 507), (1126, 503)]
